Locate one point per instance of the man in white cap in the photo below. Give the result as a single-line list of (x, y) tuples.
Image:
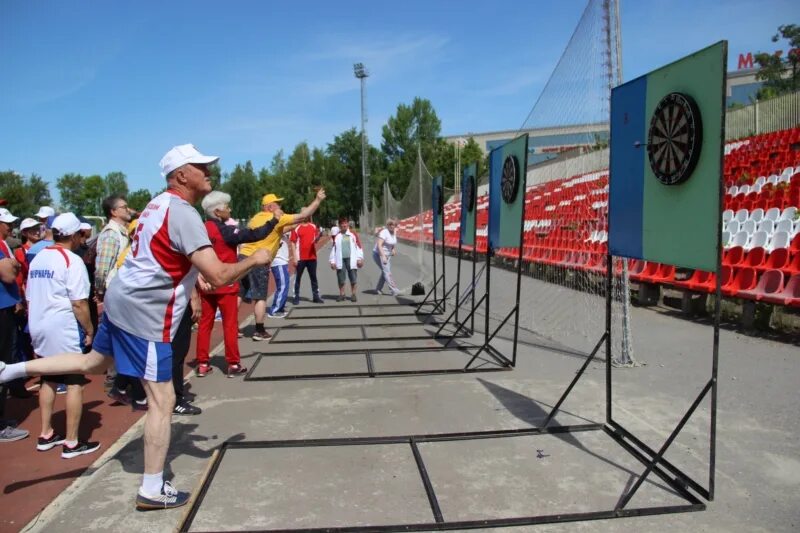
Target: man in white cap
[(59, 321), (144, 306), (44, 213), (9, 307)]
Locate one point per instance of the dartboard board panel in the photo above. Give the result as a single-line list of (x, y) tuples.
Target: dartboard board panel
[(667, 143), (509, 182), (468, 205), (507, 167), (674, 138)]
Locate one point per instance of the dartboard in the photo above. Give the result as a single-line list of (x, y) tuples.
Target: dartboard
[(674, 138), (509, 181), (469, 192)]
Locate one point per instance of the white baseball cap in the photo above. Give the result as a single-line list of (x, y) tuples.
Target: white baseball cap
[(183, 155), (66, 224), (85, 226), (45, 211), (28, 223), (6, 216)]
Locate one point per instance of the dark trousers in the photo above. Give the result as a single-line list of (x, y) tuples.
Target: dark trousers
[(180, 347), (8, 352), (311, 265)]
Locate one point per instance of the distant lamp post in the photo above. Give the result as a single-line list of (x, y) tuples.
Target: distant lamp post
[(362, 74)]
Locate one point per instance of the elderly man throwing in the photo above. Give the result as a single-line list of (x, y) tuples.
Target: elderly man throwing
[(144, 305)]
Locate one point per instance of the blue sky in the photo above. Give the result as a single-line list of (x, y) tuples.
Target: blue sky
[(97, 86)]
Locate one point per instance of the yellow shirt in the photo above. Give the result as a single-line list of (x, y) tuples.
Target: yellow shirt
[(272, 241)]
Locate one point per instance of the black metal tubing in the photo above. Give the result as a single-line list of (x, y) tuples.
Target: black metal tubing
[(440, 523), (419, 321), (426, 481), (577, 377), (364, 336), (674, 483), (672, 469), (665, 446), (370, 372)]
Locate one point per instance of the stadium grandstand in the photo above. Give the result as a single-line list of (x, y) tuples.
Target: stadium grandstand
[(566, 225)]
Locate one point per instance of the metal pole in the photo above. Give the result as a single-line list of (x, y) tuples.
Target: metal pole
[(363, 144)]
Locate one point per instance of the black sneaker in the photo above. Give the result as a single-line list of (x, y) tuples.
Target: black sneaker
[(183, 407), (139, 405), (44, 444), (340, 298), (261, 336), (82, 448), (169, 498), (318, 300), (296, 300), (119, 396)]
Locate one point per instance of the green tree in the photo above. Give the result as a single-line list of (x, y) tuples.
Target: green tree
[(70, 190), (780, 75), (12, 190), (215, 174), (138, 199), (242, 185), (413, 127), (38, 191), (116, 183), (94, 190), (343, 184)]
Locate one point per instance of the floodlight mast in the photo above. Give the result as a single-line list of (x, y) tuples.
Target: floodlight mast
[(362, 74)]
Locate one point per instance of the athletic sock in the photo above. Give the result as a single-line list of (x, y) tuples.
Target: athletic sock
[(70, 443), (260, 327), (12, 372), (152, 483)]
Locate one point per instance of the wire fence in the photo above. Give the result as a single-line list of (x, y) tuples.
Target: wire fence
[(780, 113)]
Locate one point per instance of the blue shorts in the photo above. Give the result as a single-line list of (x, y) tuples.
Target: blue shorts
[(134, 356)]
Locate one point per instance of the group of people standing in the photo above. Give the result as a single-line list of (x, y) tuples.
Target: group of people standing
[(153, 278)]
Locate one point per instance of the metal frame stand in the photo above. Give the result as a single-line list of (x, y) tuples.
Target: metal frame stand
[(369, 359)]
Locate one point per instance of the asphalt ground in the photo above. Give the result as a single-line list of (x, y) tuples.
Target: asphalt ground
[(758, 470)]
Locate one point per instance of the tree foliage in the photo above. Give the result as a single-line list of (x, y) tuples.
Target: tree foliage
[(24, 194), (781, 74), (414, 128), (138, 199)]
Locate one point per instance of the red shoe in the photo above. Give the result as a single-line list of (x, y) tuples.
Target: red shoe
[(235, 370), (203, 369)]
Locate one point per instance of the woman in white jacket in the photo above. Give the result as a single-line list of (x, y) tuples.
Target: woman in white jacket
[(347, 256)]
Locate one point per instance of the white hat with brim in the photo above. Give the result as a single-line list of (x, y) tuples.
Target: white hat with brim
[(6, 216), (66, 224), (184, 154), (85, 226), (29, 223), (45, 211)]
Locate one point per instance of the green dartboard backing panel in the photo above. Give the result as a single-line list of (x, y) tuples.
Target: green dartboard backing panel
[(468, 215), (505, 219)]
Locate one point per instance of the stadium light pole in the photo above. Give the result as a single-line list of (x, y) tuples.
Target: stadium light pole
[(362, 74)]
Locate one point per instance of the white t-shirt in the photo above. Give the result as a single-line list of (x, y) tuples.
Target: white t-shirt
[(389, 241), (282, 257), (151, 291), (56, 278)]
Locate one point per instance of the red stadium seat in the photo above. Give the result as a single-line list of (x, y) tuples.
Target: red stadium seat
[(733, 256), (770, 283), (777, 260), (754, 258), (698, 277), (745, 279), (789, 296)]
